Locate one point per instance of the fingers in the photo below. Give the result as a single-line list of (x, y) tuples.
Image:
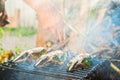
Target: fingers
[(61, 35)]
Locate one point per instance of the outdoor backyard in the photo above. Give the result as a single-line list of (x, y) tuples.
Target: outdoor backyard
[(59, 39), (17, 39)]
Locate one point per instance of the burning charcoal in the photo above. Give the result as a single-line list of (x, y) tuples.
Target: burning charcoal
[(55, 57), (79, 62)]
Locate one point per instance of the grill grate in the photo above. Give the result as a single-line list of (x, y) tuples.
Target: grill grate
[(25, 71)]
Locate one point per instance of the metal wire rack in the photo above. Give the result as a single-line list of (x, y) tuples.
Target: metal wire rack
[(55, 72)]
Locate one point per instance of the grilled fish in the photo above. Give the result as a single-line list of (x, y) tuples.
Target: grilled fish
[(78, 62), (34, 53), (52, 57)]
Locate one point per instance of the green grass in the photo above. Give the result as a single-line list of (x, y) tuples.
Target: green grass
[(21, 31)]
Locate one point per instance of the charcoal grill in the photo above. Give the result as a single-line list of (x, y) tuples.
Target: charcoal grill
[(100, 70)]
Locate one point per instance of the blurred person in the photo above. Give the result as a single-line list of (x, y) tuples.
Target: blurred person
[(50, 21)]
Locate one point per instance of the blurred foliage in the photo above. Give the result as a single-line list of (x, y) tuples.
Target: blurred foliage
[(1, 48), (87, 61), (1, 32), (17, 51), (7, 55), (21, 31)]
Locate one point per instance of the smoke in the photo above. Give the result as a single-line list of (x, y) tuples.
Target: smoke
[(93, 25), (98, 27)]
